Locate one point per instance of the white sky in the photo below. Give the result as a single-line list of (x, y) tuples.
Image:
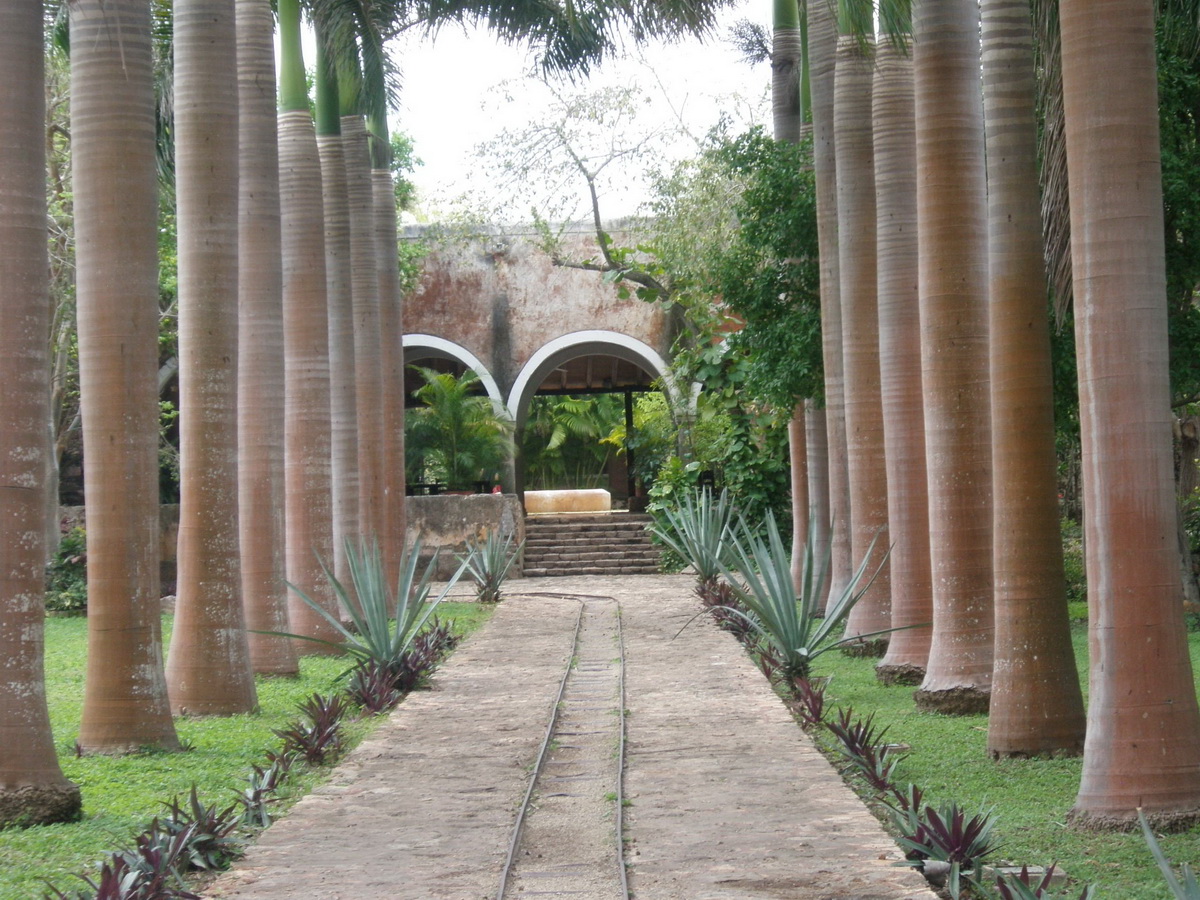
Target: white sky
[(447, 109)]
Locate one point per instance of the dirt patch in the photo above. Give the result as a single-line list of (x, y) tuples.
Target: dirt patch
[(960, 701), (903, 674)]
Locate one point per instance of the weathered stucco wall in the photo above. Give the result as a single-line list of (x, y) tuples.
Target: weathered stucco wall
[(445, 522), (502, 299)]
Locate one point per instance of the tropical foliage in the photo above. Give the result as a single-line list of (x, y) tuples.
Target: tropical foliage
[(382, 623), (489, 561), (456, 436), (788, 619)]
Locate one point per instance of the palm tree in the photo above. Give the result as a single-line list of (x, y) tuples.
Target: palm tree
[(1143, 736), (208, 667), (343, 404), (113, 157), (456, 432), (368, 365), (900, 357), (1036, 705), (822, 45), (854, 149), (32, 787), (951, 222), (260, 347), (307, 447)]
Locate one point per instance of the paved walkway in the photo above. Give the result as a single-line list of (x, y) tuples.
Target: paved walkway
[(729, 799)]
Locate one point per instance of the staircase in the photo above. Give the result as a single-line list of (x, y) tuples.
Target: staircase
[(614, 543)]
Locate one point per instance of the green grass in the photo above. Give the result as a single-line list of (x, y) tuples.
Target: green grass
[(949, 761), (121, 794)]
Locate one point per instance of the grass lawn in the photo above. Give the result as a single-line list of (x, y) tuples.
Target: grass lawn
[(121, 794), (1031, 797)]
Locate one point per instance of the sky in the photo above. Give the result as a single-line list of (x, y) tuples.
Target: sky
[(450, 104)]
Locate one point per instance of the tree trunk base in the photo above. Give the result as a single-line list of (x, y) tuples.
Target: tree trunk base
[(40, 804), (875, 649), (899, 673), (1037, 752), (1164, 820), (959, 701)]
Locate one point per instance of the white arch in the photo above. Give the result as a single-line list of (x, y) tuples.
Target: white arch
[(584, 343), (440, 348)]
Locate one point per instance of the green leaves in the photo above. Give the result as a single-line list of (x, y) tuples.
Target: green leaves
[(372, 609), (762, 576), (697, 530), (488, 563)]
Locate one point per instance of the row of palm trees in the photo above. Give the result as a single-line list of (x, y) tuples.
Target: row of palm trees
[(933, 277), (289, 342)]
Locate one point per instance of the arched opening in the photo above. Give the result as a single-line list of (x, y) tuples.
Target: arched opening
[(573, 403), (433, 469)]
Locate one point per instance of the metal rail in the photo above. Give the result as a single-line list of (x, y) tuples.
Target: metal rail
[(551, 728)]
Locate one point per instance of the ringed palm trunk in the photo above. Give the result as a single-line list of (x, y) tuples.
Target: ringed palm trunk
[(368, 369), (816, 439), (208, 667), (307, 449), (822, 45), (787, 112), (391, 329), (343, 407), (32, 786), (1143, 736), (1037, 707), (260, 360), (116, 204), (860, 335), (951, 232), (900, 366)]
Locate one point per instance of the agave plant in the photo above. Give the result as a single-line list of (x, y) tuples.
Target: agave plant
[(488, 563), (370, 634), (761, 573), (698, 531), (1187, 888)]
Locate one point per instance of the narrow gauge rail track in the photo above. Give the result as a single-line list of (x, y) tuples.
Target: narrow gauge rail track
[(568, 838)]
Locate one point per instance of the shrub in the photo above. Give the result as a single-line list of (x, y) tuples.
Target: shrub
[(371, 635), (66, 574), (488, 563), (788, 619)]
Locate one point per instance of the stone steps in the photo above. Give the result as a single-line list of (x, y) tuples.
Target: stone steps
[(589, 544)]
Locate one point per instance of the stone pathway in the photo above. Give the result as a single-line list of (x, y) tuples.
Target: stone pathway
[(728, 798)]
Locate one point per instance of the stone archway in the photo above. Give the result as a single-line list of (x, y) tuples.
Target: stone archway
[(591, 361), (592, 344), (419, 347)]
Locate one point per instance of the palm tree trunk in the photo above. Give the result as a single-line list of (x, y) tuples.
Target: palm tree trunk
[(306, 442), (787, 114), (260, 360), (816, 440), (368, 370), (798, 457), (900, 363), (391, 329), (208, 667), (1143, 735), (343, 408), (860, 334), (113, 159), (32, 787), (951, 229), (1036, 707), (822, 44)]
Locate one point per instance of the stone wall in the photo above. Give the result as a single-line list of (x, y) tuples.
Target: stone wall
[(445, 522)]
